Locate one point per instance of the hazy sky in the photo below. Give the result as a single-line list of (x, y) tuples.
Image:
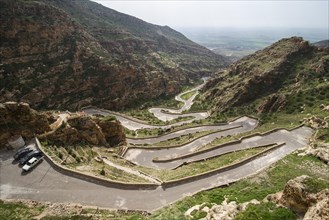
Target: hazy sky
[(183, 13)]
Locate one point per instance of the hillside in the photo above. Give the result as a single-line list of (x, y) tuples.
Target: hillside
[(323, 43), (287, 76), (69, 54)]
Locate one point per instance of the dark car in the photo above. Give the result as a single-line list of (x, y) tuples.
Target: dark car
[(35, 153), (21, 153)]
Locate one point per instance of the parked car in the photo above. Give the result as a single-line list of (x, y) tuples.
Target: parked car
[(32, 163), (35, 153), (21, 153)]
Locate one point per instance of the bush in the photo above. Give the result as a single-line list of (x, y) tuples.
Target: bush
[(102, 172), (60, 155)]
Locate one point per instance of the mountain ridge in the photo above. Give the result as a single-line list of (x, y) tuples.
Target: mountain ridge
[(69, 54), (269, 80)]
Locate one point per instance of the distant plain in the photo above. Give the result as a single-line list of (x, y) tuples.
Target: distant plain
[(236, 43)]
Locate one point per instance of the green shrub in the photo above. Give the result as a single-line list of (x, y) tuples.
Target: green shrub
[(60, 155), (102, 172)]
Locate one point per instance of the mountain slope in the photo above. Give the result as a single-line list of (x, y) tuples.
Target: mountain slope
[(323, 43), (68, 54), (288, 75)]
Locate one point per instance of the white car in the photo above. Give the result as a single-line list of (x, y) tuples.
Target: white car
[(31, 163)]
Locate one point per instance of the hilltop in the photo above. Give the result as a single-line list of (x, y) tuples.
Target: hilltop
[(287, 76), (68, 54)]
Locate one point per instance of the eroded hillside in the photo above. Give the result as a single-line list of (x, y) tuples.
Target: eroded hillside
[(69, 54), (289, 75)]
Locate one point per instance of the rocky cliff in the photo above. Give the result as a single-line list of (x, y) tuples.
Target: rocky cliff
[(287, 75), (87, 130), (68, 54), (20, 119)]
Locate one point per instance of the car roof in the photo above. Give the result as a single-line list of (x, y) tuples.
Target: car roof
[(33, 159), (22, 150), (34, 152)]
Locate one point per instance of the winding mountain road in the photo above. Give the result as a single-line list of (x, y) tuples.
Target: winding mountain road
[(46, 184)]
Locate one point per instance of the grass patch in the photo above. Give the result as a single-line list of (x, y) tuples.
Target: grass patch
[(11, 211), (200, 167), (188, 95), (81, 158), (16, 210), (159, 131), (269, 181), (149, 118), (184, 139), (267, 123), (108, 118)]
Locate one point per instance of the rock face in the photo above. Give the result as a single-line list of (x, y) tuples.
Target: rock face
[(272, 79), (272, 104), (297, 196), (85, 130), (319, 210), (20, 119), (112, 130), (68, 54)]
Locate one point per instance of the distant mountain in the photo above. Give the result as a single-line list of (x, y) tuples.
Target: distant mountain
[(68, 54), (323, 43), (289, 75)]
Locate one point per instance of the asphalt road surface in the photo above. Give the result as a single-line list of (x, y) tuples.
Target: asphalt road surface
[(46, 184)]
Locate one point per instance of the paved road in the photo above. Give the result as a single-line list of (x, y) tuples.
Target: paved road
[(281, 136), (158, 112), (161, 114), (46, 184), (144, 156), (246, 122)]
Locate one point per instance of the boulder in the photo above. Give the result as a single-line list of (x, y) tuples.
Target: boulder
[(225, 211), (315, 122), (189, 212), (320, 152), (295, 195), (319, 210)]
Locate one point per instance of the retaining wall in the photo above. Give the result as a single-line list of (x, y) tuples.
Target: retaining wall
[(180, 145), (181, 181), (225, 144), (93, 179)]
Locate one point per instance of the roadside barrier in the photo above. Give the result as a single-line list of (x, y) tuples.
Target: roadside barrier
[(93, 179), (172, 183), (159, 160), (180, 145)]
